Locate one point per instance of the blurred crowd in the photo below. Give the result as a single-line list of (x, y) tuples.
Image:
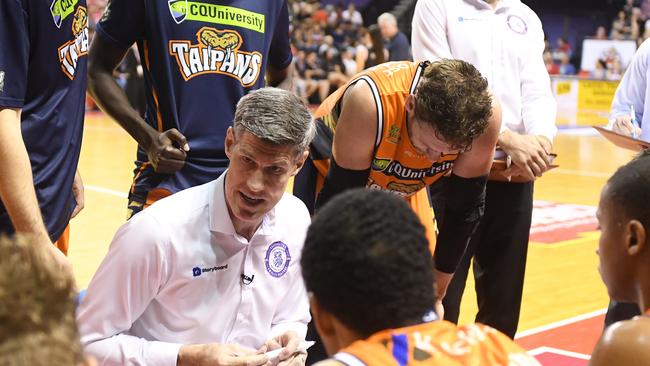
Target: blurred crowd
[(331, 43)]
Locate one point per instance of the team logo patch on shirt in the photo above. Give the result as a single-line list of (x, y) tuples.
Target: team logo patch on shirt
[(2, 81), (61, 9), (277, 259), (217, 52), (71, 51), (182, 10), (517, 24)]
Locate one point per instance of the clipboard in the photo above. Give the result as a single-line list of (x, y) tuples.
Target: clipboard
[(500, 164), (624, 141)]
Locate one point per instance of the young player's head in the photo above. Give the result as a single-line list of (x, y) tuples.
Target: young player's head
[(624, 219), (452, 102), (37, 311), (367, 266)]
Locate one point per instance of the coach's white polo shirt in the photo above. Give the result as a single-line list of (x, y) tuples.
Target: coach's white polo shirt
[(505, 44), (173, 276)]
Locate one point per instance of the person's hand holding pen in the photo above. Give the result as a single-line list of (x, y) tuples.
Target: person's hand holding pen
[(627, 124)]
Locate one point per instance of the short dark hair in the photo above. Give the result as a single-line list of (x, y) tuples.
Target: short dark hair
[(367, 261), (453, 97), (629, 189), (38, 310)]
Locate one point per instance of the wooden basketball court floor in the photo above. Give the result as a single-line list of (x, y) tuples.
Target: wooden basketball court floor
[(563, 298)]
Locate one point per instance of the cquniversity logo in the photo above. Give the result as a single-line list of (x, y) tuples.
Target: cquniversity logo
[(61, 9), (196, 271), (178, 9)]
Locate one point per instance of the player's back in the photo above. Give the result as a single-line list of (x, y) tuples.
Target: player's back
[(435, 343)]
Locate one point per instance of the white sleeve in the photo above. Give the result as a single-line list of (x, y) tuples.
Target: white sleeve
[(127, 280), (537, 102), (429, 31), (632, 88)]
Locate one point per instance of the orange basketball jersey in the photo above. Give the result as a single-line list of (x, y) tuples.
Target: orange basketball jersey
[(396, 165), (439, 343)]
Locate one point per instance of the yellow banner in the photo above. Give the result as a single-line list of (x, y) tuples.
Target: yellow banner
[(217, 14)]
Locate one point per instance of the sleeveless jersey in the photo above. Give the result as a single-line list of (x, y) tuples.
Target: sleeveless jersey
[(199, 58), (43, 47), (396, 165), (436, 343)]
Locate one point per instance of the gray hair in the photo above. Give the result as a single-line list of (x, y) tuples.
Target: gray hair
[(276, 116), (389, 18)]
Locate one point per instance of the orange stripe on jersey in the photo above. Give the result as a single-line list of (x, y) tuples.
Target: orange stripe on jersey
[(153, 88), (137, 175), (438, 343)]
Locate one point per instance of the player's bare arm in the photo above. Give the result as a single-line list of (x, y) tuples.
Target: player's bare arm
[(279, 78), (166, 150), (478, 160), (354, 140), (353, 143), (17, 185)]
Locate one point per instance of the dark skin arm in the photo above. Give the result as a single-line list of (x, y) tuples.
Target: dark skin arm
[(279, 78), (166, 150)]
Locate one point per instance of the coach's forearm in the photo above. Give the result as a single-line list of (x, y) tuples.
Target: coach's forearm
[(16, 181)]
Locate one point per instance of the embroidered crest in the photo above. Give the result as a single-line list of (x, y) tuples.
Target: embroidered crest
[(517, 24), (277, 259)]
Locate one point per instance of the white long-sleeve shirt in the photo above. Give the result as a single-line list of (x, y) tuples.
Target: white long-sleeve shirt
[(634, 89), (505, 44), (172, 276)]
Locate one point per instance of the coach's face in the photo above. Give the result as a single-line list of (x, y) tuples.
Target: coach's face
[(257, 177), (616, 250)]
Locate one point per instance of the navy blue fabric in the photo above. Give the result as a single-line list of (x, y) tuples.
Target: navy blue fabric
[(188, 86), (43, 72)]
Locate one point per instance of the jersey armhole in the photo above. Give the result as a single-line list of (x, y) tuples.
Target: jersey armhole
[(348, 359)]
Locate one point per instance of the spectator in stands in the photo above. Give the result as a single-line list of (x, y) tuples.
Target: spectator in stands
[(566, 67), (563, 47), (628, 8), (370, 51), (600, 70), (349, 63), (551, 66), (621, 26), (397, 43), (624, 254), (319, 16), (352, 14), (645, 10), (316, 74), (601, 33), (336, 16), (336, 76)]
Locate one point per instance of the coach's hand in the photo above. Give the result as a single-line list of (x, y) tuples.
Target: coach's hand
[(167, 151), (623, 125), (219, 354), (529, 153)]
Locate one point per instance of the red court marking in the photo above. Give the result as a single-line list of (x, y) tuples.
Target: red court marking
[(554, 223), (554, 359), (580, 336)]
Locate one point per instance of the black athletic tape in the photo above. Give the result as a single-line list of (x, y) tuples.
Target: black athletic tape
[(463, 211), (338, 180)]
